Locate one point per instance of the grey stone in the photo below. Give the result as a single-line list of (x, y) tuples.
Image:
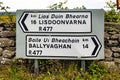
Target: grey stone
[(5, 61), (1, 28), (116, 55), (10, 48), (115, 25), (8, 54), (115, 36), (12, 24), (5, 42), (115, 49), (110, 65), (7, 33), (113, 43), (106, 36), (109, 59), (117, 60), (6, 25), (8, 29), (108, 53)]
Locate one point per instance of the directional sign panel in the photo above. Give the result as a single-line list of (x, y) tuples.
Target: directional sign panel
[(60, 34), (56, 21), (62, 46)]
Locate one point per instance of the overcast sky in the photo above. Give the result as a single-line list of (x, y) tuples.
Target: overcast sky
[(43, 4)]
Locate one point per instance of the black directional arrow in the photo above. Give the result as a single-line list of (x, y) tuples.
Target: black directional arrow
[(96, 45), (25, 27), (96, 49), (22, 22)]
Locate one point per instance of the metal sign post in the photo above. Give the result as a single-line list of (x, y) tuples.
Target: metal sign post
[(83, 66), (36, 66)]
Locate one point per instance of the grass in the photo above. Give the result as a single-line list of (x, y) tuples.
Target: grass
[(71, 71)]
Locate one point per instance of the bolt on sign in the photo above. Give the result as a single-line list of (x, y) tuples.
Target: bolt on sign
[(118, 4), (60, 34)]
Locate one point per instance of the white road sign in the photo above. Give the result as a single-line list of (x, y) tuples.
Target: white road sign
[(60, 34), (56, 21), (62, 46)]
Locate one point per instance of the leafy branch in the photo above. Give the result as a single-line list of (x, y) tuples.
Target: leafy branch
[(59, 5)]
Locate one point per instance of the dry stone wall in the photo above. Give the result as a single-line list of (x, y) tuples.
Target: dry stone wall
[(112, 45), (8, 42)]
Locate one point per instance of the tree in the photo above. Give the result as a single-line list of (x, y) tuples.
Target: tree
[(4, 8), (110, 4), (112, 15), (60, 5)]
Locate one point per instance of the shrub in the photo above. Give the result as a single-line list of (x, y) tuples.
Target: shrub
[(112, 15)]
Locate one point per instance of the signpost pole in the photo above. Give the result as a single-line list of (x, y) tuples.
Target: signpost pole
[(83, 66), (36, 67)]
